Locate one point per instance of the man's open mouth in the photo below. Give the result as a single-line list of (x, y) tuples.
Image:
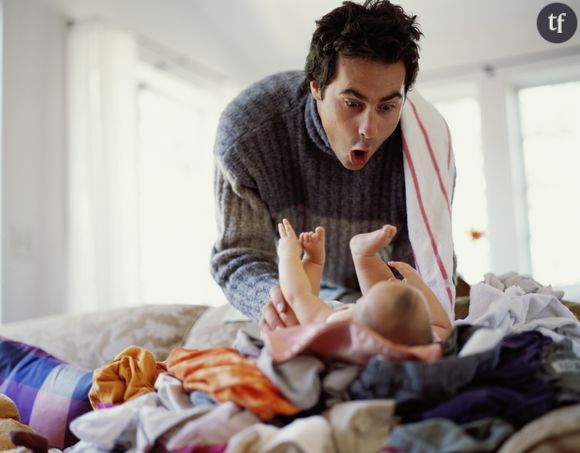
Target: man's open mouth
[(359, 157)]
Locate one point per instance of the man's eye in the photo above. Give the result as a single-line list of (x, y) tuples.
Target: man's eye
[(351, 104), (387, 107)]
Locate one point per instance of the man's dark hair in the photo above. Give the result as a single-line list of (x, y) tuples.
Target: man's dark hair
[(376, 30)]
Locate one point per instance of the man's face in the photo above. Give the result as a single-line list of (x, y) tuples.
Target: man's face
[(361, 107)]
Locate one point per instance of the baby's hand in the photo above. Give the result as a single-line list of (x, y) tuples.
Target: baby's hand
[(288, 244)]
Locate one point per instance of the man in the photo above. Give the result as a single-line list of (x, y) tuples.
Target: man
[(327, 147)]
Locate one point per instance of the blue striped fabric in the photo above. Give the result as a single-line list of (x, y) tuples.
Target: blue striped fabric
[(48, 392)]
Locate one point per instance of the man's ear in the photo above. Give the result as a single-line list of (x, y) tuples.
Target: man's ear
[(315, 90)]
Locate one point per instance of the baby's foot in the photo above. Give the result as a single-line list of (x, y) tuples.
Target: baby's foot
[(313, 244), (370, 243)]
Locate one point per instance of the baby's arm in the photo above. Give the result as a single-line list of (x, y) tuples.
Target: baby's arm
[(294, 282), (439, 320)]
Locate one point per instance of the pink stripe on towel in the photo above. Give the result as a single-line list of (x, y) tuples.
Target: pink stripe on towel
[(431, 154), (426, 221)]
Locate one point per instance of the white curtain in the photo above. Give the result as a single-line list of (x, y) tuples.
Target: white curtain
[(102, 246)]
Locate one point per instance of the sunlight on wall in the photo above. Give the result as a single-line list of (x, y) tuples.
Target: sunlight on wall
[(469, 203), (176, 207), (550, 125)]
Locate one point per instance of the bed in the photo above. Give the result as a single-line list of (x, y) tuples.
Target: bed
[(62, 352)]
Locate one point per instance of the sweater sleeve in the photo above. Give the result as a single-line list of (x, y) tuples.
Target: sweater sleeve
[(243, 259)]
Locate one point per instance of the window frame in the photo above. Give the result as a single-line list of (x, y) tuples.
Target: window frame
[(496, 89)]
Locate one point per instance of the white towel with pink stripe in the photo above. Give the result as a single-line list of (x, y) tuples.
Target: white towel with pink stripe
[(429, 183)]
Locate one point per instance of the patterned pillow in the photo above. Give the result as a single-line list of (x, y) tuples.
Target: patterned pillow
[(48, 393), (218, 326), (92, 339)]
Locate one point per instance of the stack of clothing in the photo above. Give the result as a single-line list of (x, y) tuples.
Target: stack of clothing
[(338, 387)]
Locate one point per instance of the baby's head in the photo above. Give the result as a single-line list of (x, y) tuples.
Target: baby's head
[(396, 311)]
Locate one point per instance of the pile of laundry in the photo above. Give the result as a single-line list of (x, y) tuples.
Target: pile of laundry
[(338, 388)]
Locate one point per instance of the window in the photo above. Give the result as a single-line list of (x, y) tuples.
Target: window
[(176, 131), (140, 218), (469, 204), (459, 105), (517, 149), (549, 121)]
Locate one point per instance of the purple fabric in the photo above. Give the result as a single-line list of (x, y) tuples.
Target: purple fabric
[(513, 390), (517, 407), (521, 357), (47, 392), (203, 449), (104, 405), (417, 386)]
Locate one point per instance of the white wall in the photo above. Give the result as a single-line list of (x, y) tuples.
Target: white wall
[(33, 155), (461, 36), (33, 209), (249, 39)]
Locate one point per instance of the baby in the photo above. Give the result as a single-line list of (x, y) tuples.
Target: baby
[(405, 312)]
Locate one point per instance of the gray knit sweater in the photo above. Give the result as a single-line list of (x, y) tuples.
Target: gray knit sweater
[(273, 160)]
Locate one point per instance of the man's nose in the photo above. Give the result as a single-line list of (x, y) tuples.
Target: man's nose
[(368, 124)]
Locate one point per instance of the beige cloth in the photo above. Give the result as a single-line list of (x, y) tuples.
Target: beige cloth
[(354, 426), (303, 435), (362, 425), (557, 431)]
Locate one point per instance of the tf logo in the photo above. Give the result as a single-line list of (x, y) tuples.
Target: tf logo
[(557, 22)]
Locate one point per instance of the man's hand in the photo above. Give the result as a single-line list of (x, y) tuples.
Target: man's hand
[(277, 313)]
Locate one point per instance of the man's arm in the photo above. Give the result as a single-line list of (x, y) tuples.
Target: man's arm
[(243, 259)]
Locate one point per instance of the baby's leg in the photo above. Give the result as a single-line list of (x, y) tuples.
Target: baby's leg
[(370, 269), (314, 256)]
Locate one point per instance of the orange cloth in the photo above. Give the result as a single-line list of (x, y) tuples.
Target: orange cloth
[(225, 375), (130, 374)]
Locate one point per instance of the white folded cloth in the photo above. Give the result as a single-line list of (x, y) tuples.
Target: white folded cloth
[(429, 183)]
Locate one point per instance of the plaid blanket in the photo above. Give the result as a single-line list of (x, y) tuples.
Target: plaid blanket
[(48, 392)]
